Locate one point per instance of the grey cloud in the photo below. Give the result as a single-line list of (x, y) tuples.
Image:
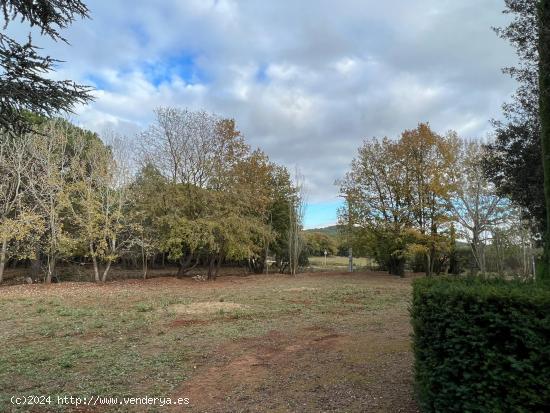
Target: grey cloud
[(333, 72)]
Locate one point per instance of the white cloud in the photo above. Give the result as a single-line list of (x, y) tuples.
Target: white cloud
[(306, 81), (346, 65)]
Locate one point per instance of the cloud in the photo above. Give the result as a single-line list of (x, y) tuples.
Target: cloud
[(306, 81)]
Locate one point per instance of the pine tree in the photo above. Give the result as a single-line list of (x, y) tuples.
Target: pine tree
[(24, 85), (513, 162)]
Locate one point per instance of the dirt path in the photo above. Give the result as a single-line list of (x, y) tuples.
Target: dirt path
[(312, 370)]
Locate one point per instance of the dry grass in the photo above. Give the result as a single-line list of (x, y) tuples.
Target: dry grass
[(316, 342), (208, 307), (300, 289)]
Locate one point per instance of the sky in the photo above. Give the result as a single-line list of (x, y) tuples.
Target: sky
[(306, 81)]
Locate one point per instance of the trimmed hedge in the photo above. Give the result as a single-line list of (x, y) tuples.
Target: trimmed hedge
[(481, 345)]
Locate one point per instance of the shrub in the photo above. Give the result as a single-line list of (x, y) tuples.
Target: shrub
[(481, 345)]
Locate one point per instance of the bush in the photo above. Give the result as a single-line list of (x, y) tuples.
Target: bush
[(481, 345)]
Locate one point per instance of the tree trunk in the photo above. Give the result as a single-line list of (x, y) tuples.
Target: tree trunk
[(184, 265), (50, 271), (143, 260), (3, 258), (429, 264), (211, 265), (94, 261), (266, 264), (396, 266), (433, 259), (144, 268), (544, 108), (524, 257), (499, 254), (478, 252), (35, 265), (218, 265), (105, 272)]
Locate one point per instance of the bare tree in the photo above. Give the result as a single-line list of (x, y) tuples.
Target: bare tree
[(164, 143), (179, 144), (477, 207), (190, 147), (296, 220)]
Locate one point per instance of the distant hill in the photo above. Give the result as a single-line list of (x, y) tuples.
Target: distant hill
[(331, 231)]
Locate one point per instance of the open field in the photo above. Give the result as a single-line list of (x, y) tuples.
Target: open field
[(335, 262), (316, 342)]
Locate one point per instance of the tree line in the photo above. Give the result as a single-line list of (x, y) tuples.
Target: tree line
[(415, 198), (509, 171), (439, 213), (190, 191)]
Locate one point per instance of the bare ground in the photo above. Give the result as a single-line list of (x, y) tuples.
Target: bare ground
[(323, 342), (316, 371)]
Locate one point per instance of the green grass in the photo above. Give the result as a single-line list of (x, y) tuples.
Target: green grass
[(123, 339)]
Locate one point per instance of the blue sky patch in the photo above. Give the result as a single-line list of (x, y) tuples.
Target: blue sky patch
[(97, 81), (261, 74), (321, 214), (183, 66)]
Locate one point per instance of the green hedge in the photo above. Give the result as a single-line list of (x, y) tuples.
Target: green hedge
[(481, 345)]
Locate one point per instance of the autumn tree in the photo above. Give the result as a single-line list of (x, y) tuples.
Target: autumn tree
[(67, 194), (97, 200), (255, 189), (20, 225), (282, 193), (429, 159), (50, 153), (378, 194), (398, 197), (176, 144), (235, 215), (215, 194), (54, 147), (189, 147), (147, 194)]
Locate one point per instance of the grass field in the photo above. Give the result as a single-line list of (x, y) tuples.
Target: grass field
[(316, 342), (336, 262)]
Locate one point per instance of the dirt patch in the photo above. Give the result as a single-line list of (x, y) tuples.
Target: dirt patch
[(206, 307), (301, 289), (327, 337), (314, 368), (303, 302), (186, 323), (262, 356)]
